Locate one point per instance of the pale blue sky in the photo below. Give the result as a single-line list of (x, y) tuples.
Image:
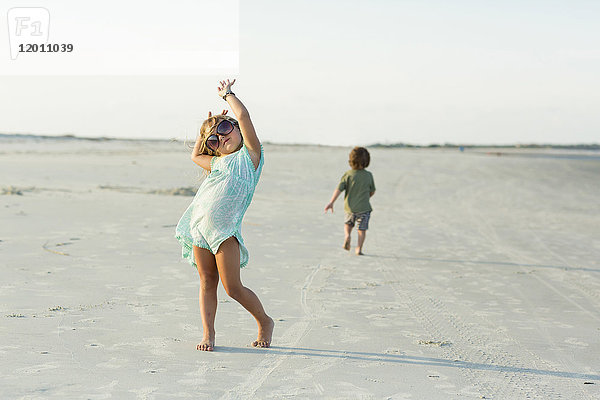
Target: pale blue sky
[(352, 72)]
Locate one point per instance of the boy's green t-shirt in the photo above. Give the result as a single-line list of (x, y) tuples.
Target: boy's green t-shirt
[(358, 185)]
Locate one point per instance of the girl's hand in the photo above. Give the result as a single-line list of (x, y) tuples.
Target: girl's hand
[(223, 113), (329, 206), (224, 87)]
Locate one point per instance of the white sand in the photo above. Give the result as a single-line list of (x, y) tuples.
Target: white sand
[(481, 278)]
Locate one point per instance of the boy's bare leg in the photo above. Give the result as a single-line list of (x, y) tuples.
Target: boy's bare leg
[(361, 240), (228, 264), (347, 231), (209, 280)]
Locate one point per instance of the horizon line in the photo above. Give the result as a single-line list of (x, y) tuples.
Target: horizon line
[(573, 145)]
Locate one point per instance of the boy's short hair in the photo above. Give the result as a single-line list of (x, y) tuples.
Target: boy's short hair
[(359, 158)]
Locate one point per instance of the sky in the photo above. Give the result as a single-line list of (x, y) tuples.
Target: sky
[(356, 73)]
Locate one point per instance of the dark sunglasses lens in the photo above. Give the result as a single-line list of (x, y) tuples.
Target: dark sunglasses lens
[(224, 127), (212, 142)]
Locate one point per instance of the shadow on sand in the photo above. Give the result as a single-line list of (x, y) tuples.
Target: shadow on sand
[(401, 359), (511, 264)]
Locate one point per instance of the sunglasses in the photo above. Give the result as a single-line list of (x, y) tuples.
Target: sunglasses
[(224, 128)]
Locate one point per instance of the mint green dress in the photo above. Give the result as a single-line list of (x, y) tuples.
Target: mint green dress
[(216, 211)]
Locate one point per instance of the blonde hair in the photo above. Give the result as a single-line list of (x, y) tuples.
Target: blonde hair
[(208, 128), (359, 158)]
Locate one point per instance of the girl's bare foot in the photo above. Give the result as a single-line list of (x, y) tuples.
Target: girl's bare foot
[(347, 243), (265, 332), (359, 252), (207, 344)]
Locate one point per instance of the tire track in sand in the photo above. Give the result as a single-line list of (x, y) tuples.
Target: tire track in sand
[(290, 338), (468, 343), (578, 284), (487, 231)]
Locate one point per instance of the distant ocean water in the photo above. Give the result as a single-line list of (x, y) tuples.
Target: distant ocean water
[(573, 156), (571, 152), (8, 137)]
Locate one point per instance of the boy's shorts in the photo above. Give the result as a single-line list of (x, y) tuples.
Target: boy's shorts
[(361, 218)]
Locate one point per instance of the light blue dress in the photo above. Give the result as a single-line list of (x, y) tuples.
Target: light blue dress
[(217, 209)]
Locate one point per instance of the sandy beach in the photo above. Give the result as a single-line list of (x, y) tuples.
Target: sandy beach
[(481, 277)]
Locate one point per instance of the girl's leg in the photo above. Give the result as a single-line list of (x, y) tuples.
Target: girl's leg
[(347, 231), (361, 239), (228, 264), (209, 280)]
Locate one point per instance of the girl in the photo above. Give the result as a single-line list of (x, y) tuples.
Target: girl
[(210, 229)]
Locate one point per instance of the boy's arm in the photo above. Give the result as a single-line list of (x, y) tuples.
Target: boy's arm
[(243, 117), (372, 187), (334, 197)]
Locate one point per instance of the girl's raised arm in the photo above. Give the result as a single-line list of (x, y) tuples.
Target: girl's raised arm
[(202, 160), (243, 117)]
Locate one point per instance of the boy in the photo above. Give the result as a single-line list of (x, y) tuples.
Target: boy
[(359, 187)]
